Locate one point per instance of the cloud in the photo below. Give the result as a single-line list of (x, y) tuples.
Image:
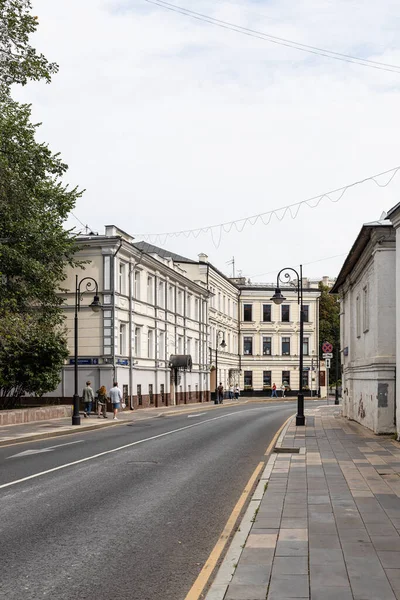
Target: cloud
[(170, 123)]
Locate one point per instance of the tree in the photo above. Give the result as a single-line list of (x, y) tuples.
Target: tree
[(19, 62), (329, 325), (34, 204)]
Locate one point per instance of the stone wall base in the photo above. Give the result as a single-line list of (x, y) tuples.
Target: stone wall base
[(18, 416)]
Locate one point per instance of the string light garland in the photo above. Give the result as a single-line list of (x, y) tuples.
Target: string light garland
[(363, 62), (216, 231)]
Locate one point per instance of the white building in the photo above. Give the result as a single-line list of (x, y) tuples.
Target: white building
[(367, 292), (270, 339), (151, 311)]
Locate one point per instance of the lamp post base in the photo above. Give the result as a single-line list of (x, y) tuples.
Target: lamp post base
[(76, 418), (300, 418)]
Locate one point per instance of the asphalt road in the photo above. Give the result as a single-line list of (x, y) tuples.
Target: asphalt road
[(137, 522)]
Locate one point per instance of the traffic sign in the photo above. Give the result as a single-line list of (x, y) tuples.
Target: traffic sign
[(327, 355), (327, 347), (328, 363)]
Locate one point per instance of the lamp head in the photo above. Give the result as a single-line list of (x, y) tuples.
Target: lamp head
[(96, 304), (278, 298), (223, 344)]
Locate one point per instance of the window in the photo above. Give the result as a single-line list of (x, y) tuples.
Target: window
[(179, 304), (267, 379), (150, 290), (136, 285), (162, 392), (358, 317), (248, 380), (247, 345), (267, 312), (224, 304), (161, 294), (267, 346), (196, 351), (161, 345), (306, 346), (137, 341), (107, 272), (306, 313), (122, 278), (180, 344), (189, 306), (247, 312), (286, 378), (150, 343), (365, 310), (229, 307), (188, 345), (139, 394), (286, 346), (305, 379), (196, 309), (122, 339), (151, 397), (171, 298), (285, 312)]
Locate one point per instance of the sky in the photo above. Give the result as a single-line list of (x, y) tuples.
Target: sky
[(170, 123)]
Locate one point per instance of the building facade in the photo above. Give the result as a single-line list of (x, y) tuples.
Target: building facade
[(270, 340), (151, 312), (368, 328)]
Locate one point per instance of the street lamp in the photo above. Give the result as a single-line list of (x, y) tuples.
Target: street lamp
[(96, 307), (278, 298), (223, 345)]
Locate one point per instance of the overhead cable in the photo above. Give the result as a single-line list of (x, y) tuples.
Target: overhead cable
[(363, 62), (216, 231)]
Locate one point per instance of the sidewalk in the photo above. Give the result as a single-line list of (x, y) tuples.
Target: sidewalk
[(324, 522), (37, 430)]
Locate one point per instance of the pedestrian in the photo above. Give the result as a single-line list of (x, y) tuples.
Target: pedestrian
[(283, 388), (87, 397), (231, 392), (237, 392), (274, 394), (102, 402), (220, 393), (116, 399)]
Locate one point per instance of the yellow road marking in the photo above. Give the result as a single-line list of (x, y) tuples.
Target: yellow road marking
[(205, 573), (273, 442)]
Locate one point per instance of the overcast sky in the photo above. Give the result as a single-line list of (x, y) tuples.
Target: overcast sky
[(170, 123)]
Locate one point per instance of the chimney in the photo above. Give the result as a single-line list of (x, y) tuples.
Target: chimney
[(203, 257)]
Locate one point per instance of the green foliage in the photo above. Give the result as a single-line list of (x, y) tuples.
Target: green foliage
[(34, 204), (329, 325), (19, 61), (31, 356)]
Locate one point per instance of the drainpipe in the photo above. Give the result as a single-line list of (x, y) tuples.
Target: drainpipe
[(131, 271), (113, 305)]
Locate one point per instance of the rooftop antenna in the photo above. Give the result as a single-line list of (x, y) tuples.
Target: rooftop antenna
[(232, 262)]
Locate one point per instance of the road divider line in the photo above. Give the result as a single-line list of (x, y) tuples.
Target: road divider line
[(274, 439), (205, 573), (196, 415), (130, 445)]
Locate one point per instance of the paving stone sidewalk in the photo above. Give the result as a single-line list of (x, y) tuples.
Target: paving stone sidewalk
[(328, 525)]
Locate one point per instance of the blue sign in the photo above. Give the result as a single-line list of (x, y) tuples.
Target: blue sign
[(123, 361), (84, 361)]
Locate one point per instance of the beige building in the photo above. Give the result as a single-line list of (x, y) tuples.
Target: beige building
[(151, 312), (270, 339)]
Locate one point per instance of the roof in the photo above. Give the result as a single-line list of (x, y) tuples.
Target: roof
[(357, 249), (151, 249)]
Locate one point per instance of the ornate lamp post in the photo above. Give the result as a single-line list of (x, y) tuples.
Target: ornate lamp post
[(96, 307), (278, 298), (223, 345)]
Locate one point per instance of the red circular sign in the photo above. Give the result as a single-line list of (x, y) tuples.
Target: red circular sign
[(327, 347)]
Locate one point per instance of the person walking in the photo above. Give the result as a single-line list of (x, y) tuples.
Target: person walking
[(283, 388), (87, 397), (116, 399), (220, 393), (237, 392), (102, 402), (274, 394), (231, 392)]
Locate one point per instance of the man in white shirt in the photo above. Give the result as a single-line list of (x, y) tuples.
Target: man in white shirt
[(116, 399)]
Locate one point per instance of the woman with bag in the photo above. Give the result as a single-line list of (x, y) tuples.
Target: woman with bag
[(102, 402)]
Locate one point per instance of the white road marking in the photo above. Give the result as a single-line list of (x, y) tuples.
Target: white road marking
[(40, 450), (196, 415), (154, 437)]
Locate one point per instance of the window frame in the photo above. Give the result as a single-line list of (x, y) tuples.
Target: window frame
[(248, 339), (266, 384), (267, 306), (265, 341), (285, 306), (306, 309), (286, 378), (247, 308), (285, 340), (249, 376)]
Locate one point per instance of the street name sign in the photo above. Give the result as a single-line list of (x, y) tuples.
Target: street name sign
[(327, 355)]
